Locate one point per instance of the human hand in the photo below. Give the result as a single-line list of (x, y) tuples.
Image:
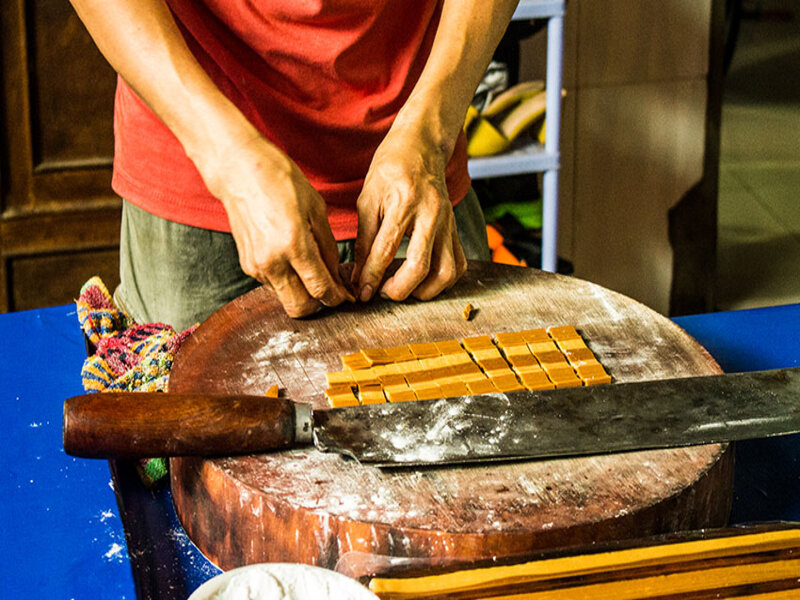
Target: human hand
[(405, 194), (280, 226)]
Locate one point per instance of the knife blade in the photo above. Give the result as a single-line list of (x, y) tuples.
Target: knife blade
[(517, 425)]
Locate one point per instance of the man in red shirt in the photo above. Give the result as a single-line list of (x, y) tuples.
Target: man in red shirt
[(268, 130)]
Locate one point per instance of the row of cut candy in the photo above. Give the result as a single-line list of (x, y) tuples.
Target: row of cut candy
[(534, 359)]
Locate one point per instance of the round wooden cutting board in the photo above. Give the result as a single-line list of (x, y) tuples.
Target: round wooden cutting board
[(308, 507)]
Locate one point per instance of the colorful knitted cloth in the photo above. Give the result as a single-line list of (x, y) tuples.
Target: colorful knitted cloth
[(128, 356)]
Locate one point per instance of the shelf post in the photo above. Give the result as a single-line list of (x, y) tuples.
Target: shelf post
[(555, 50)]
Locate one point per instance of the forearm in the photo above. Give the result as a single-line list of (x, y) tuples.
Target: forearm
[(277, 219), (405, 192), (144, 45), (468, 33)]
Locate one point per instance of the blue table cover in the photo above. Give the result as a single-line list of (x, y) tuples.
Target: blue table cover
[(62, 523), (62, 537), (766, 484)]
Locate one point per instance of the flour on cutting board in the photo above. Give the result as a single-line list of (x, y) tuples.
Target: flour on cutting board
[(281, 344), (612, 311)]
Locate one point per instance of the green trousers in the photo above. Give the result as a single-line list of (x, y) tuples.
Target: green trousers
[(177, 274)]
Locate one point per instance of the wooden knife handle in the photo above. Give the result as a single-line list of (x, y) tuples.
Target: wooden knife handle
[(148, 424)]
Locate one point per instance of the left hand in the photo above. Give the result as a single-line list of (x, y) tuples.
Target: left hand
[(405, 194)]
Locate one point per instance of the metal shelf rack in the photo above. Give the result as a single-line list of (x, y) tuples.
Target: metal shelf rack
[(533, 158)]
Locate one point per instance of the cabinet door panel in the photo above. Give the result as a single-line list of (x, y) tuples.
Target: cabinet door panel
[(72, 91), (59, 219), (51, 280)]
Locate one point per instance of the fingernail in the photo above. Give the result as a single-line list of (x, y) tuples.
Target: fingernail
[(332, 298), (366, 293)]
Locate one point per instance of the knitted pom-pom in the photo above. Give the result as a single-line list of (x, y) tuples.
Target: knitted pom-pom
[(152, 470), (97, 313), (128, 356)]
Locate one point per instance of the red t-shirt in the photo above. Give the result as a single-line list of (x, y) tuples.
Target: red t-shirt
[(321, 79)]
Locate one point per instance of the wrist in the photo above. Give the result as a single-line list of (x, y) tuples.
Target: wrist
[(235, 169), (428, 126), (215, 134)]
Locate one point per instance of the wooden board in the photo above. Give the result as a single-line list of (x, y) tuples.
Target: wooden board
[(309, 507)]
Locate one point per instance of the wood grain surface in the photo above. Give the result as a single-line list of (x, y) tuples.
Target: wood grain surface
[(309, 507)]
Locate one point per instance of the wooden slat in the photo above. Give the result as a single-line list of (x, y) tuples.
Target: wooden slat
[(673, 585), (53, 232), (660, 557)]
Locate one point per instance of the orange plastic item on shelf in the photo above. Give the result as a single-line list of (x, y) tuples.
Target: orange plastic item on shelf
[(494, 237), (503, 256)]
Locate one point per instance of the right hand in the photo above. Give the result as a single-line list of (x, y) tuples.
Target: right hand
[(280, 226)]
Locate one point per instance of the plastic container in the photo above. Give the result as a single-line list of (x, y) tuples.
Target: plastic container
[(281, 581)]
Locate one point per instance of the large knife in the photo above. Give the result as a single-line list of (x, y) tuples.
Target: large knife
[(568, 422)]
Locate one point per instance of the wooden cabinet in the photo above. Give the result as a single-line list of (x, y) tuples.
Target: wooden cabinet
[(59, 220)]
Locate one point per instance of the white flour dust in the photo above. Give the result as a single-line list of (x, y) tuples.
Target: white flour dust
[(447, 432), (114, 551), (281, 344)]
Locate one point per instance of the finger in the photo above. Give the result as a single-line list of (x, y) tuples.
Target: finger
[(443, 272), (328, 250), (368, 222), (416, 266), (291, 292), (382, 251), (307, 262)]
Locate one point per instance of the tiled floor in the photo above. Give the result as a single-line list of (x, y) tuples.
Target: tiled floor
[(759, 203)]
